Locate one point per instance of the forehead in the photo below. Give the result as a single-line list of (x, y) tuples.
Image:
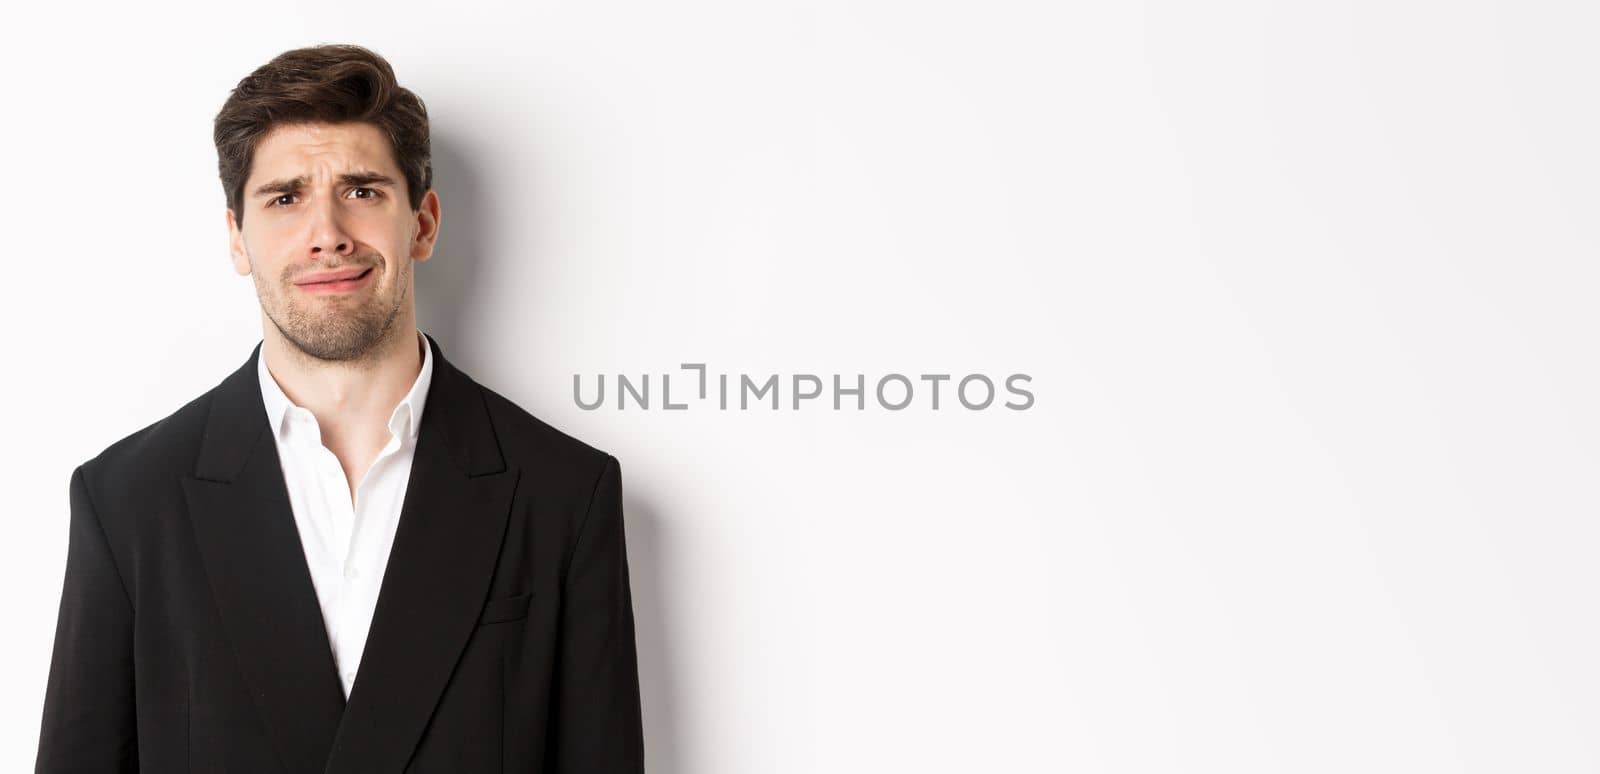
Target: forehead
[(322, 149)]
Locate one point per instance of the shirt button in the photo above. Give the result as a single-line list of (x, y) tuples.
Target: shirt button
[(349, 676), (350, 573)]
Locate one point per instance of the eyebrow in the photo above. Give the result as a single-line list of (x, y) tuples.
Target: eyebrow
[(293, 184)]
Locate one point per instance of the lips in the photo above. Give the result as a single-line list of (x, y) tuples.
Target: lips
[(325, 277)]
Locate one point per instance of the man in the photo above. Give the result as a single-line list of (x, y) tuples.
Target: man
[(348, 556)]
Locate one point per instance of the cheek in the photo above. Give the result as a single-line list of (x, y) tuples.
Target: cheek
[(390, 240), (266, 237)]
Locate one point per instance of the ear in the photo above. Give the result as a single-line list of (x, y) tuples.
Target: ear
[(241, 259), (427, 227)]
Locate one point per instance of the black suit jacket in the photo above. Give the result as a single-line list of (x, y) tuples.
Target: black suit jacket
[(190, 638)]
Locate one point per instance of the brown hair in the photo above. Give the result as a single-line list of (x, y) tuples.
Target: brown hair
[(324, 84)]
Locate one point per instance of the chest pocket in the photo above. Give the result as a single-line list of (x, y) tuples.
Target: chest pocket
[(502, 609)]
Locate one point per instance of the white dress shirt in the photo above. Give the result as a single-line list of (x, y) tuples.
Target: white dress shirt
[(346, 544)]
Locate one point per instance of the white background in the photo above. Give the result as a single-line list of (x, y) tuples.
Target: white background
[(1305, 289)]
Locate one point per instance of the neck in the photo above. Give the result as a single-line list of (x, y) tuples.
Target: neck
[(348, 398)]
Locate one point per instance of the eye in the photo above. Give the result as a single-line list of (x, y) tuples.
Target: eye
[(373, 193), (279, 201)]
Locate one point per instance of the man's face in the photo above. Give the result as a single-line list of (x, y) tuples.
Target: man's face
[(327, 198)]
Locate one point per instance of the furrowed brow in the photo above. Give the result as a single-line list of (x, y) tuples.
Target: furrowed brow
[(280, 187), (294, 184), (365, 177)]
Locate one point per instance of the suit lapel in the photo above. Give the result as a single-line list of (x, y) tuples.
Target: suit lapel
[(245, 530), (440, 566)]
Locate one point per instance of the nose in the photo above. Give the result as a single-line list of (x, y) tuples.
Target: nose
[(328, 234)]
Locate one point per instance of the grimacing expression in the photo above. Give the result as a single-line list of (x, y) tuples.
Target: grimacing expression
[(330, 198)]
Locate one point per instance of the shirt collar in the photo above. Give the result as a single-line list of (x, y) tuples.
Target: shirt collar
[(404, 422)]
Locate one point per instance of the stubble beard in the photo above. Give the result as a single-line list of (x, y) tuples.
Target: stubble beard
[(335, 330)]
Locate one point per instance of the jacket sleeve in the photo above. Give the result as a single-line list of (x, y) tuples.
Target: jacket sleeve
[(596, 718), (88, 723)]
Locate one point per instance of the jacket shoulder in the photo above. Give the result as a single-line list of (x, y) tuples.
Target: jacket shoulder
[(164, 448), (532, 443)]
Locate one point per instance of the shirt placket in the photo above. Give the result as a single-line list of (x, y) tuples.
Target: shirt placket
[(350, 520), (337, 528)]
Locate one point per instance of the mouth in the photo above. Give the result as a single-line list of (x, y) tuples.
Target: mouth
[(343, 285)]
